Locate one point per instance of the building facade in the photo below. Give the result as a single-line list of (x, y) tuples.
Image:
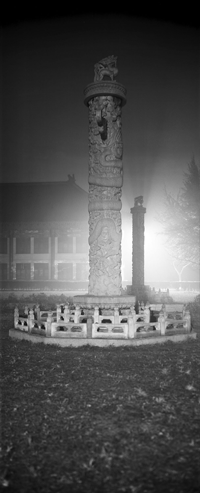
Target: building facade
[(44, 235)]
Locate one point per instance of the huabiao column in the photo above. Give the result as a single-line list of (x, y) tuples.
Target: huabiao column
[(138, 212), (105, 98)]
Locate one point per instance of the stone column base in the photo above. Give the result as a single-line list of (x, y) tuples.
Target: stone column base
[(106, 302)]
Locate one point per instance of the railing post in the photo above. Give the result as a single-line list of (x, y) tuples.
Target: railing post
[(184, 310), (16, 316), (161, 322), (96, 315), (116, 315), (66, 313), (131, 327), (187, 321), (26, 310), (58, 313), (77, 314), (37, 311), (164, 310), (89, 327), (49, 322), (147, 313), (30, 320), (132, 322)]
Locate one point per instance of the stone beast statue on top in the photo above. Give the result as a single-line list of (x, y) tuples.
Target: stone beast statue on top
[(106, 69)]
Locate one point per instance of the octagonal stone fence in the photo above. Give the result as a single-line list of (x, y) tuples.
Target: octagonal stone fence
[(65, 322)]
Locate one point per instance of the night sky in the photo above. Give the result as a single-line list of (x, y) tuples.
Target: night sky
[(47, 62)]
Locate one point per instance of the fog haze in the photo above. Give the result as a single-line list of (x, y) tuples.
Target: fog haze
[(46, 65)]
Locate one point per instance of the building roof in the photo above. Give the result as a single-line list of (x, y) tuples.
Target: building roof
[(43, 202)]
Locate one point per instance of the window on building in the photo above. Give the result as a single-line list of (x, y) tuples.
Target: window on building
[(82, 272), (3, 245), (65, 272), (65, 244), (3, 271), (81, 244), (41, 271), (23, 272), (41, 244), (23, 245)]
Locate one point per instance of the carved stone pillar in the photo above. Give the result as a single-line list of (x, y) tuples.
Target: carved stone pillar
[(138, 212), (11, 258), (52, 256), (105, 98)]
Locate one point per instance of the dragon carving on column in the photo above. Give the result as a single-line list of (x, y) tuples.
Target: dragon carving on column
[(105, 133), (105, 180)]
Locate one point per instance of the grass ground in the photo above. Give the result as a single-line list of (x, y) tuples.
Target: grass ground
[(86, 420)]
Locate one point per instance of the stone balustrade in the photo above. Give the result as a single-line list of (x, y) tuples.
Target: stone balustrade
[(176, 317), (97, 323)]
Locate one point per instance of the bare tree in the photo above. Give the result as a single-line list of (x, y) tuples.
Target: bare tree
[(179, 268), (181, 218)]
